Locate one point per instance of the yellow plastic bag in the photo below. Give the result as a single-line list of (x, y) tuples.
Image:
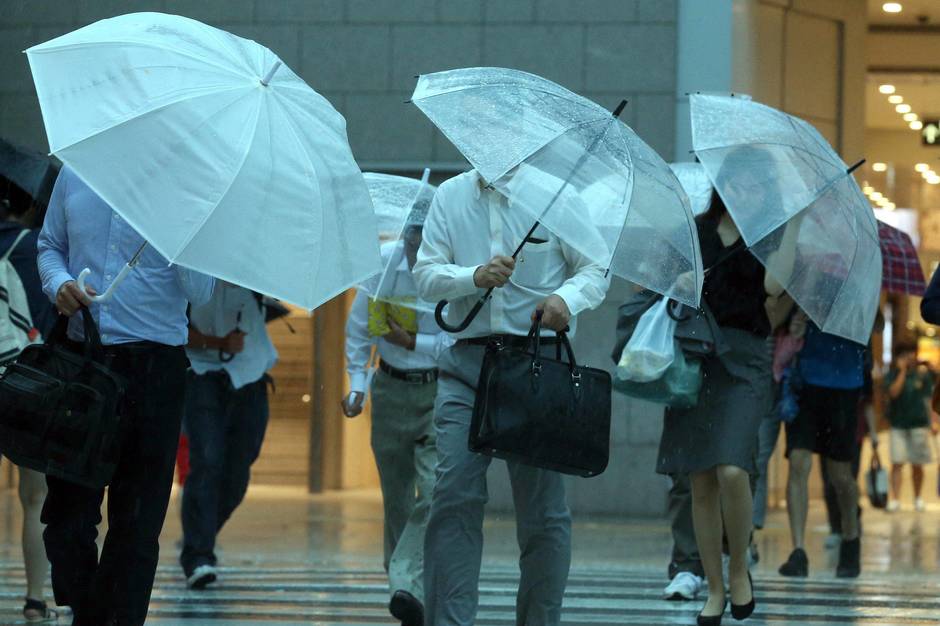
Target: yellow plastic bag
[(381, 312)]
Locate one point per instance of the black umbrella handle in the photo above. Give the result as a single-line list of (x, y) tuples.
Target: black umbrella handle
[(462, 326)]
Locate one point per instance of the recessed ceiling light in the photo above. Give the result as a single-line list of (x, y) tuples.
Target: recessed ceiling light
[(921, 167), (882, 202), (886, 89), (879, 167), (875, 196), (928, 173), (916, 125), (934, 180), (896, 99), (867, 190), (892, 7), (890, 206), (903, 108), (910, 117)]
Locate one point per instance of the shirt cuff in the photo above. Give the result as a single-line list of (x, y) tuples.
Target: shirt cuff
[(573, 298), (357, 382), (59, 279), (463, 281), (425, 343)]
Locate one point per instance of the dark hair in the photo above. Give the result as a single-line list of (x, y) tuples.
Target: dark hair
[(903, 347), (716, 209)]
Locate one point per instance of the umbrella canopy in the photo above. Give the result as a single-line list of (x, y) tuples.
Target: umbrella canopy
[(901, 271), (697, 185), (401, 206), (219, 155), (575, 168), (797, 206), (31, 171)]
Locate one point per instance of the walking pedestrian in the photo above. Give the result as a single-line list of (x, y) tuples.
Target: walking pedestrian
[(715, 442), (686, 574), (18, 245), (469, 230), (832, 373), (909, 385), (225, 418), (403, 438), (143, 329)]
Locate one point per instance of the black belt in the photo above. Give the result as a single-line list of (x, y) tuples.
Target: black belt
[(511, 341), (415, 377)]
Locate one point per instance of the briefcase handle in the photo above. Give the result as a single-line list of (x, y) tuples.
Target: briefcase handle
[(92, 343), (535, 340)]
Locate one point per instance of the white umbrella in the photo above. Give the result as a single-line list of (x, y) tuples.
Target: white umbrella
[(219, 155)]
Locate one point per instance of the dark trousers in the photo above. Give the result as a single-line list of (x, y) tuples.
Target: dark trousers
[(685, 557), (116, 589), (225, 427)]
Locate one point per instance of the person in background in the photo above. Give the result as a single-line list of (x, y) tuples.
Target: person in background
[(930, 304), (909, 385), (686, 575), (225, 418), (143, 328), (403, 438), (469, 231), (20, 242), (832, 373)]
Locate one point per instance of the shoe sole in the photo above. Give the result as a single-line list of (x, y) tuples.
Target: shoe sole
[(202, 582), (679, 597)]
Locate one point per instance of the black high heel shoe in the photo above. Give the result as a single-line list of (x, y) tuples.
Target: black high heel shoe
[(743, 611), (711, 620)]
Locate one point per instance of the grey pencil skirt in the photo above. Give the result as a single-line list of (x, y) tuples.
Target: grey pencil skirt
[(721, 429)]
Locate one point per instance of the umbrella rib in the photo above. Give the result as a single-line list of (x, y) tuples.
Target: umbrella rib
[(146, 44), (137, 115)]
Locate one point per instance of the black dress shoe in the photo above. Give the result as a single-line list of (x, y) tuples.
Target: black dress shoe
[(796, 565), (743, 611), (711, 620), (406, 608)]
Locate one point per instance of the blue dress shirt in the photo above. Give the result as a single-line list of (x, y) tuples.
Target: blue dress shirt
[(81, 230)]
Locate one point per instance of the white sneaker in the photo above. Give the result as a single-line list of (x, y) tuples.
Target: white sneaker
[(893, 506), (685, 586), (919, 505), (202, 576), (834, 540)]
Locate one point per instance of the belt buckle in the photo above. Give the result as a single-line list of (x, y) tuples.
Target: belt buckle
[(415, 378)]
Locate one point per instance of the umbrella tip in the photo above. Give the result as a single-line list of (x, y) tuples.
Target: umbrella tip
[(408, 101), (619, 108), (855, 167)]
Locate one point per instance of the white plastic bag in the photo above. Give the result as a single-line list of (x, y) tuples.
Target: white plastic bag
[(652, 348)]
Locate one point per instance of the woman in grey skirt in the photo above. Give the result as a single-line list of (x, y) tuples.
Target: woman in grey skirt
[(715, 442)]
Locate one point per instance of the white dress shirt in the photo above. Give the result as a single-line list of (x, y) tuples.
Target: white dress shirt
[(218, 318), (467, 225), (430, 340)]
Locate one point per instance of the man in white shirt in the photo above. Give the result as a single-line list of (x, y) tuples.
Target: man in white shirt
[(226, 415), (403, 441), (468, 234)]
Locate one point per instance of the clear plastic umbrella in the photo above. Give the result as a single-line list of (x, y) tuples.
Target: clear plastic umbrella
[(219, 155), (573, 167), (797, 206), (696, 184), (401, 206)]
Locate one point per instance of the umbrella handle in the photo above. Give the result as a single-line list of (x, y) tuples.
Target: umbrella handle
[(104, 297), (439, 314)]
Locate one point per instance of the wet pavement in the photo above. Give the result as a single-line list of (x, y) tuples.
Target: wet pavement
[(294, 559)]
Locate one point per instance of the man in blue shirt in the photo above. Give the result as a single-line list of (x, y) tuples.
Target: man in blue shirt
[(143, 328), (832, 373)]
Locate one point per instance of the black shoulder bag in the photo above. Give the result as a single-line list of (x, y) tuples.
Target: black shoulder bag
[(60, 410), (541, 411)]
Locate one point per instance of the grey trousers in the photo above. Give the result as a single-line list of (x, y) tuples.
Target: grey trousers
[(685, 557), (454, 540), (404, 446)]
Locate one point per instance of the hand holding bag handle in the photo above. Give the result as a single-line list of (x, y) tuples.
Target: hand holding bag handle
[(92, 347), (535, 339)]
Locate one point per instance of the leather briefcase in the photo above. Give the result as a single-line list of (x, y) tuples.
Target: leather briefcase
[(60, 409), (540, 411)]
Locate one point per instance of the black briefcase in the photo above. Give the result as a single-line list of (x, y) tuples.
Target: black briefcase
[(59, 409), (541, 411)]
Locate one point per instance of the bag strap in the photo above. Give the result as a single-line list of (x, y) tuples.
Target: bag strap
[(16, 242), (535, 340), (92, 342)]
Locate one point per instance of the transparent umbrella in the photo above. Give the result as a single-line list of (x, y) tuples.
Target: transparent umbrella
[(797, 206), (401, 206), (222, 158), (573, 167)]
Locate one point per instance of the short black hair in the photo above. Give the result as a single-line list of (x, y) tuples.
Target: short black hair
[(903, 347)]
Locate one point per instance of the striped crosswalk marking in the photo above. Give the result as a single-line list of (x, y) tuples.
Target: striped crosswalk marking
[(623, 597)]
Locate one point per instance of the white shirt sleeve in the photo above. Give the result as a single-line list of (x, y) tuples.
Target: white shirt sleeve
[(588, 284), (358, 343), (435, 274), (433, 344)]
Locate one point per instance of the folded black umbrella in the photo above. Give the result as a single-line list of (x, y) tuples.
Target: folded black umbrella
[(30, 170)]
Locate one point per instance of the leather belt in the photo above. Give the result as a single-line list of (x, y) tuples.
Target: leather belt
[(414, 377), (511, 341)]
